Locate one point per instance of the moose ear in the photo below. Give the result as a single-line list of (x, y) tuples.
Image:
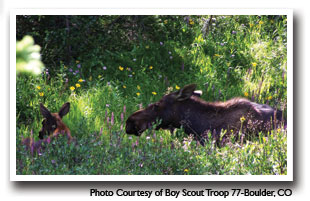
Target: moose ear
[(197, 93), (186, 92), (64, 109), (45, 112)]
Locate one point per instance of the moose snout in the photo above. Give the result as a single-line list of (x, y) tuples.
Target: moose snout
[(131, 128), (135, 127), (41, 134)]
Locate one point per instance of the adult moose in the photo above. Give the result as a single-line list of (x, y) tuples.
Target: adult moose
[(184, 108)]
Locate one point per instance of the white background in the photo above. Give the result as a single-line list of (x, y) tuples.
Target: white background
[(80, 190)]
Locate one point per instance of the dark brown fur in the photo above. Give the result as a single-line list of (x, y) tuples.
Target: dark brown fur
[(185, 109)]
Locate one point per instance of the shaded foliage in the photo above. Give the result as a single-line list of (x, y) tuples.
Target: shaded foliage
[(110, 66)]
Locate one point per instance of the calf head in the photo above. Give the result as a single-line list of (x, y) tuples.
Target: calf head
[(52, 123), (165, 111)]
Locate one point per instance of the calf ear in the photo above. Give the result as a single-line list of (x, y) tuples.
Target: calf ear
[(186, 92), (45, 112), (64, 109)]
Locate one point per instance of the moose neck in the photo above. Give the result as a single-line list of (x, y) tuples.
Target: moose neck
[(195, 115)]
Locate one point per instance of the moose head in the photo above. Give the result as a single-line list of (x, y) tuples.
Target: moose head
[(167, 111), (52, 123)]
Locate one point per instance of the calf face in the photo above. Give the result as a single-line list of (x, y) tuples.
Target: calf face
[(52, 123)]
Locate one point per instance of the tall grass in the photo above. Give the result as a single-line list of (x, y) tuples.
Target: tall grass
[(238, 56)]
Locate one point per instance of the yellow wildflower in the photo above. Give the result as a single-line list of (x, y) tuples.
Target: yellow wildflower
[(191, 21), (138, 87), (185, 170), (254, 64), (154, 93), (41, 94), (121, 68), (246, 94), (217, 55), (242, 119), (261, 22), (147, 47), (38, 87), (177, 87), (165, 21), (80, 80), (138, 94), (77, 85), (251, 24), (269, 97), (151, 67), (72, 88), (124, 86), (77, 61), (99, 76)]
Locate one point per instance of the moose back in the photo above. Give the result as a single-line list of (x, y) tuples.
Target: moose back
[(185, 109)]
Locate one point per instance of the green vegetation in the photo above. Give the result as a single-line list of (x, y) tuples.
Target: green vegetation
[(107, 67)]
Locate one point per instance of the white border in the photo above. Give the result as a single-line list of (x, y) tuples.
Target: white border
[(14, 177)]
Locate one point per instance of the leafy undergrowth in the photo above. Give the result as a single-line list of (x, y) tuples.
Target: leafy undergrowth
[(158, 153), (112, 74)]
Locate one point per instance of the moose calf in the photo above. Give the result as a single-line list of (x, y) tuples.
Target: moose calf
[(52, 126), (52, 123)]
